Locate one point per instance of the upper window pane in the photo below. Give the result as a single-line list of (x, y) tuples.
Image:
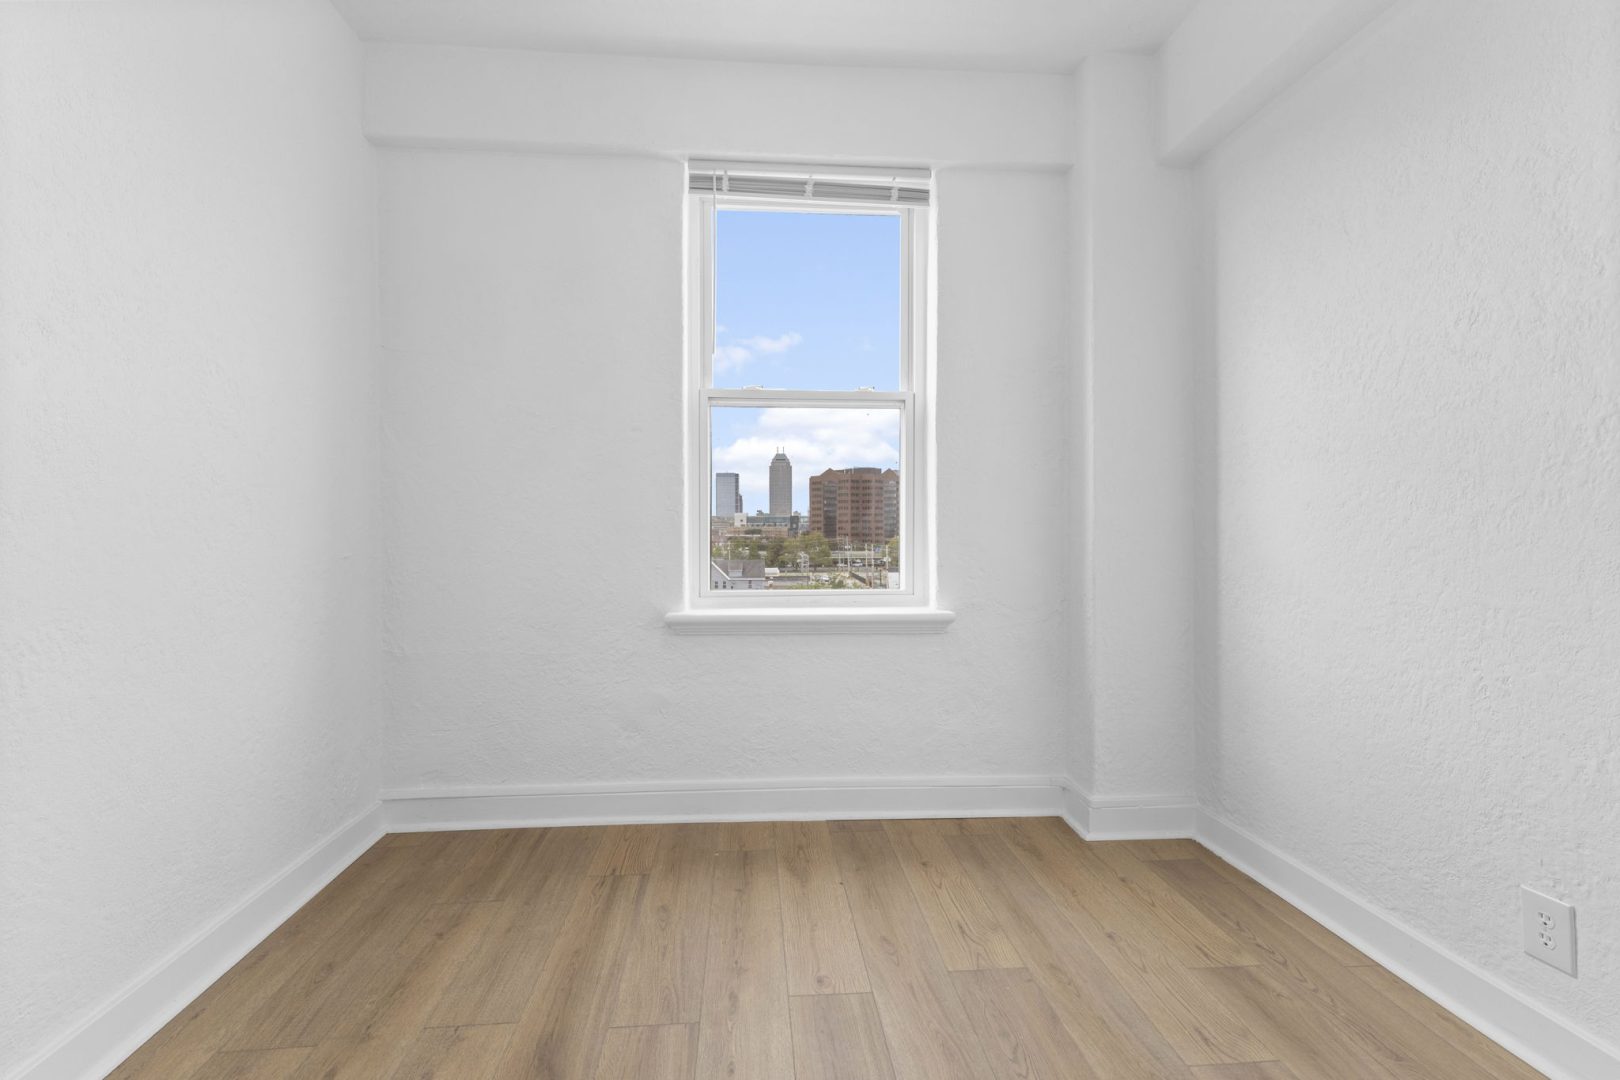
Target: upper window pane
[(807, 301)]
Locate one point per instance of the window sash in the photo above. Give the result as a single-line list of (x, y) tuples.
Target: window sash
[(911, 307), (897, 402), (767, 398), (910, 400)]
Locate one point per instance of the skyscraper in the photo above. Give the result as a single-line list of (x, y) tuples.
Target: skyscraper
[(859, 505), (781, 484), (727, 494)]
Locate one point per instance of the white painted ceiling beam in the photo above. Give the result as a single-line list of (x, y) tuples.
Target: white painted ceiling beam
[(454, 96)]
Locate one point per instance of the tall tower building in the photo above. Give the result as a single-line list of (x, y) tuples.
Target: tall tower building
[(727, 494), (781, 484)]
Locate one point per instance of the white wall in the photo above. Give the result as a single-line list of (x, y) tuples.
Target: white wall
[(420, 95), (1134, 289), (533, 329), (1416, 312), (188, 470)]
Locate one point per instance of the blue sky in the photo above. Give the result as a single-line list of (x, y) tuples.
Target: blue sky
[(805, 302)]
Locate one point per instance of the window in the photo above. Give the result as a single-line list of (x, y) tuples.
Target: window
[(807, 390)]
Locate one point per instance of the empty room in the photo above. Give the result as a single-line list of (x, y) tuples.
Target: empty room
[(863, 540)]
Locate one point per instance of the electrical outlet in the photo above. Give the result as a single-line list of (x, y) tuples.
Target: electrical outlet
[(1549, 929)]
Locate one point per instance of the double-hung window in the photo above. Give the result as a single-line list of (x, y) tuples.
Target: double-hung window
[(807, 395)]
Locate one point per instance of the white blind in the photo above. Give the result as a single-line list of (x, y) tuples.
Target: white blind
[(897, 187)]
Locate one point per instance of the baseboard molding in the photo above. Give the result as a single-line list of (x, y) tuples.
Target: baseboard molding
[(110, 1034), (1129, 817), (720, 800), (1500, 1012), (1076, 811)]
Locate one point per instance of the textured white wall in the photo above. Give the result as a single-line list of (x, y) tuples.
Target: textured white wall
[(1416, 313), (1134, 286), (188, 463), (532, 322)]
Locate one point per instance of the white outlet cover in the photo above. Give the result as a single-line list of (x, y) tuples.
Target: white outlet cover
[(1549, 929)]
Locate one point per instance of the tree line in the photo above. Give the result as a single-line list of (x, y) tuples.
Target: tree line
[(783, 551)]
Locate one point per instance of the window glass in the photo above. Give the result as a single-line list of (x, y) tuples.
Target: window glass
[(807, 301), (805, 498)]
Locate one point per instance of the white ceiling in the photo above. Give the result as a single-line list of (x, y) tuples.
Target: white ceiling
[(1019, 35)]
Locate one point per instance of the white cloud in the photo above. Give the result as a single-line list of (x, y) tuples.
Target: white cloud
[(761, 343), (738, 354), (731, 358)]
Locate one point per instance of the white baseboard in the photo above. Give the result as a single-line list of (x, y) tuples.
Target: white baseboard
[(1129, 817), (98, 1043), (1481, 999), (1076, 811), (721, 800)]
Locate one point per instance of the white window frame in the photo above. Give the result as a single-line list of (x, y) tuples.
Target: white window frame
[(908, 609)]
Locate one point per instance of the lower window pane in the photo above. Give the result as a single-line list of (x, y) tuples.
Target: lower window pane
[(804, 498)]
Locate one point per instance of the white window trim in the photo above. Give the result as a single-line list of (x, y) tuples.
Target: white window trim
[(908, 610)]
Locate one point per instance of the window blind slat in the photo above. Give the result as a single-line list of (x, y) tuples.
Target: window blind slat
[(897, 191)]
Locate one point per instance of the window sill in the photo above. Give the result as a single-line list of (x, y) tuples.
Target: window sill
[(811, 621)]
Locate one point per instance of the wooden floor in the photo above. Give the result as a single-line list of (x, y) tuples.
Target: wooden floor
[(914, 950)]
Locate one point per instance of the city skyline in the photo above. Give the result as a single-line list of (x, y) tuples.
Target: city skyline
[(745, 439), (729, 487), (859, 502)]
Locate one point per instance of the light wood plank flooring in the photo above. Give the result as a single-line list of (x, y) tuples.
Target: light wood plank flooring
[(988, 949)]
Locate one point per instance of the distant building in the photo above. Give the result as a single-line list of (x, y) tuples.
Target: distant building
[(781, 484), (758, 526), (775, 524), (737, 573), (860, 505), (727, 494), (722, 527)]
